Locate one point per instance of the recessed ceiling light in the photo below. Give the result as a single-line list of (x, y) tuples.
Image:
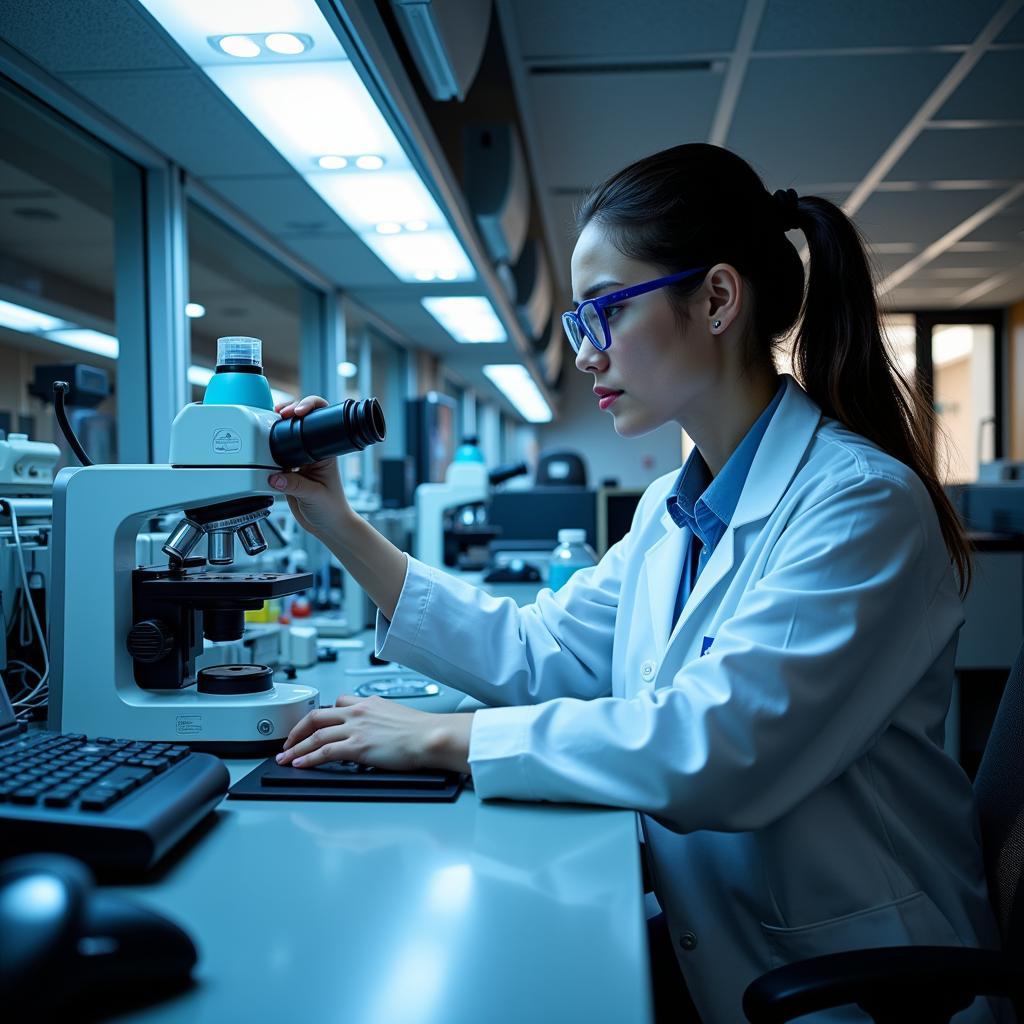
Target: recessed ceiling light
[(370, 162), (332, 163), (239, 46), (424, 275), (447, 275), (416, 225), (285, 43), (388, 227), (194, 310)]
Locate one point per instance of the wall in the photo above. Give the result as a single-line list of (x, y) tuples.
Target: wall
[(583, 427)]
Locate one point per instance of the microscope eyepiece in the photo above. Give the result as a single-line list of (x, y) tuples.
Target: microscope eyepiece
[(335, 430)]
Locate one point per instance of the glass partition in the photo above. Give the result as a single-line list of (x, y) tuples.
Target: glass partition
[(70, 239), (234, 288)]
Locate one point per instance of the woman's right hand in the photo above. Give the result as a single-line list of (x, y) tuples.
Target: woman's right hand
[(315, 494)]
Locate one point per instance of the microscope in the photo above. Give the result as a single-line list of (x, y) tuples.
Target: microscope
[(457, 508), (124, 638)]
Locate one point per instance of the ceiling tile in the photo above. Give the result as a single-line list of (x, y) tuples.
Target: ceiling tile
[(974, 153), (93, 35), (828, 119), (920, 217), (610, 28), (1007, 228), (343, 259), (995, 88), (1014, 32), (795, 24), (282, 204), (589, 126), (187, 118)]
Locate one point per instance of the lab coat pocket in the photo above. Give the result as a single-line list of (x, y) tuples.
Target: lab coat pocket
[(910, 920)]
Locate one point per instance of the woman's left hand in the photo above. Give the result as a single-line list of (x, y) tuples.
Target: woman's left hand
[(380, 732)]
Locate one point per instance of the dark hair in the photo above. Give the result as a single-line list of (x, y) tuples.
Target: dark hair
[(697, 205)]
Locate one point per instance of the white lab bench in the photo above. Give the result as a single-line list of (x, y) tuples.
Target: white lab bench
[(390, 913)]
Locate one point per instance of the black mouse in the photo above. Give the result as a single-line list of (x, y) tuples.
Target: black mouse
[(62, 941)]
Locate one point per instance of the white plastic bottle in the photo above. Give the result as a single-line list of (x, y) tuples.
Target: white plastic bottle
[(573, 552)]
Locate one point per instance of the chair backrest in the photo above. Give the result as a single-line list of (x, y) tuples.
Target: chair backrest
[(999, 787)]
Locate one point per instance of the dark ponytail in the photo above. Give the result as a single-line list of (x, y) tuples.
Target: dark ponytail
[(697, 205)]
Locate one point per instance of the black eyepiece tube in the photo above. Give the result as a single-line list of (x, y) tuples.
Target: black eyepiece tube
[(347, 427)]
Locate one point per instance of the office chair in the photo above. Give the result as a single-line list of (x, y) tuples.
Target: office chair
[(929, 984), (560, 467)]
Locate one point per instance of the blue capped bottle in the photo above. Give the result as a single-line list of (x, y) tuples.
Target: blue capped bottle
[(573, 552)]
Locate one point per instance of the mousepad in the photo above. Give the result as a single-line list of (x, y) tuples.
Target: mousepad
[(344, 780)]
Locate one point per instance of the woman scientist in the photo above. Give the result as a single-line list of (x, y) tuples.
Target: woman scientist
[(763, 665)]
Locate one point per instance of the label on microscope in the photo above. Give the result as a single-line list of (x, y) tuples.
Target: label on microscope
[(188, 725), (226, 441)]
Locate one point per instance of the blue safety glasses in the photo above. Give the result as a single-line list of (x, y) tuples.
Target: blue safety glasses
[(590, 320)]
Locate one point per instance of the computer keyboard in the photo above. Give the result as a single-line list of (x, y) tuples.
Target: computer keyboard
[(113, 803)]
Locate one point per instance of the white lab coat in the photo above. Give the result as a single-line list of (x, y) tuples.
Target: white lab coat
[(794, 792)]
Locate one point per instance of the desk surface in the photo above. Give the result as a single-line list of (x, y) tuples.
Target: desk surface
[(407, 913)]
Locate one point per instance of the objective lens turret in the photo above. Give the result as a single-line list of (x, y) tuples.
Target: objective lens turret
[(335, 430)]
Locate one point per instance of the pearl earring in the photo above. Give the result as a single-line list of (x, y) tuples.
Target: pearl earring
[(716, 324)]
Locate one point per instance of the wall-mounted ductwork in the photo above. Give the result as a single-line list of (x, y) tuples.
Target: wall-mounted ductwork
[(534, 290), (497, 187), (447, 40)]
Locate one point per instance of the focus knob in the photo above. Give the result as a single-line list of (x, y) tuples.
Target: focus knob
[(150, 641)]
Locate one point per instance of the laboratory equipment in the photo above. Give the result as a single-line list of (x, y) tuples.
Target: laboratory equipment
[(125, 638), (451, 515)]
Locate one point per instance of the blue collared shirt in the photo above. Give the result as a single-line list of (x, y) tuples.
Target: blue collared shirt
[(707, 505)]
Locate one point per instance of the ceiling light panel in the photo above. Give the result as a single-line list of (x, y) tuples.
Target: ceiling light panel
[(513, 380), (86, 340), (21, 318), (193, 23), (424, 256), (313, 108), (309, 109), (469, 319)]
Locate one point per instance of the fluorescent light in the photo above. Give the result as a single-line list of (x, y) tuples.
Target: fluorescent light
[(239, 46), (286, 43), (193, 22), (194, 310), (467, 318), (21, 318), (316, 111), (364, 201), (199, 375), (309, 108), (347, 369), (86, 340), (513, 380), (389, 227), (422, 257)]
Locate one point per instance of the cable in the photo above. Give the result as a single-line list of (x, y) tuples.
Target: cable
[(41, 687), (60, 389)]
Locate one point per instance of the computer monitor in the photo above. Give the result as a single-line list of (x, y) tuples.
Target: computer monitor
[(538, 513), (430, 435), (615, 508)]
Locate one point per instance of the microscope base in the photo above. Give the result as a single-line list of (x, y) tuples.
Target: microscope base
[(242, 725)]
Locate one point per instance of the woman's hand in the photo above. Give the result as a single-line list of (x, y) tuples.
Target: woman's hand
[(315, 494), (379, 732)]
